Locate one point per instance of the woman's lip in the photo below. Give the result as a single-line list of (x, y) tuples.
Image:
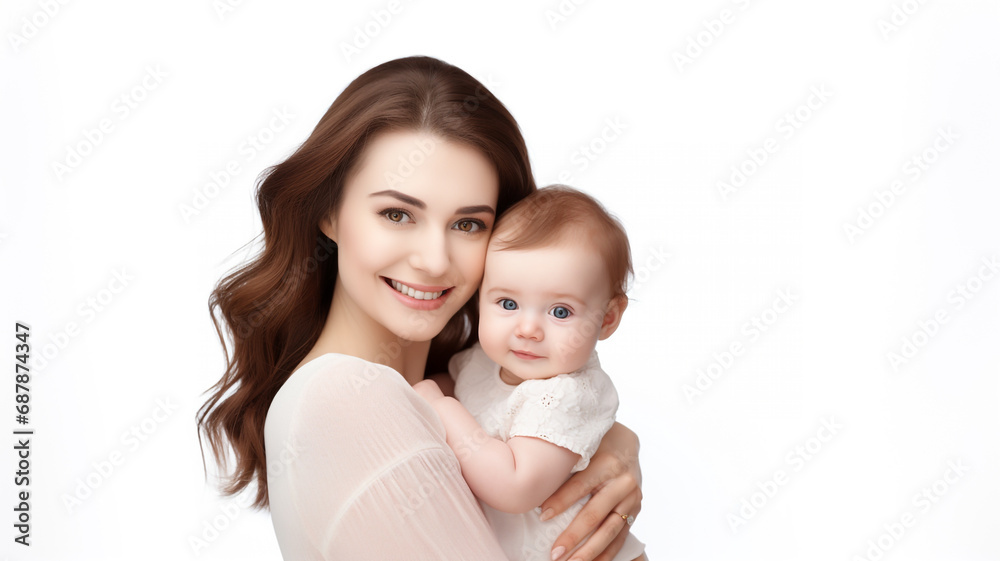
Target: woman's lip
[(420, 287), (525, 355), (416, 304)]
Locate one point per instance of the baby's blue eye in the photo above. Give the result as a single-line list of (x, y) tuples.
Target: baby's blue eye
[(508, 304), (560, 312)]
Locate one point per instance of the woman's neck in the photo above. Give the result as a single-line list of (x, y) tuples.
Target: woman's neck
[(350, 331)]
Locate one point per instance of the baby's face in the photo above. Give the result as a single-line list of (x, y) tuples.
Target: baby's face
[(541, 310)]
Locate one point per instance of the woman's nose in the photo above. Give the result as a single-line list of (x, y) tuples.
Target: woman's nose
[(429, 253)]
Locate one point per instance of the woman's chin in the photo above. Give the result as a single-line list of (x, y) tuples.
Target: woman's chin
[(422, 333)]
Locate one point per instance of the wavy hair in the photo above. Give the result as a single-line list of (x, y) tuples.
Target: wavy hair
[(274, 306)]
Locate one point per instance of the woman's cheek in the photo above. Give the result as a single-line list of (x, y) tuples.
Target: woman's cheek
[(473, 262)]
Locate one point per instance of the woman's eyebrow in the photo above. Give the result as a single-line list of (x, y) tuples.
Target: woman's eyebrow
[(476, 209), (405, 198)]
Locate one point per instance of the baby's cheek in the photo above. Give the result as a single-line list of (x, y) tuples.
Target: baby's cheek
[(575, 347), (490, 333), (487, 324)]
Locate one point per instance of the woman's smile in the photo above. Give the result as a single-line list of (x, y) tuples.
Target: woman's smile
[(418, 291), (418, 296)]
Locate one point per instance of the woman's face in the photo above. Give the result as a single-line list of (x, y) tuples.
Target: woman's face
[(412, 230)]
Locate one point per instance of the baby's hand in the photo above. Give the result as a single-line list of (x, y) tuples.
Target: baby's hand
[(429, 390)]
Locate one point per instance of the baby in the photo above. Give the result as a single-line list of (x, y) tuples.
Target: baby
[(533, 403)]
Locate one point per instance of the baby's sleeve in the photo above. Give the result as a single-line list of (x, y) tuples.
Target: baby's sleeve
[(570, 410)]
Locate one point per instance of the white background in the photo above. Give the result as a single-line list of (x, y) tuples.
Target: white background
[(708, 264)]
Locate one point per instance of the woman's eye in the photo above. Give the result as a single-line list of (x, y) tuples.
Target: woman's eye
[(396, 215), (470, 226), (561, 312), (508, 304)]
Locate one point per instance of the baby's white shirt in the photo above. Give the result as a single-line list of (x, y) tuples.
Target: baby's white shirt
[(572, 410)]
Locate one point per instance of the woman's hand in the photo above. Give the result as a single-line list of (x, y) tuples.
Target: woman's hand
[(613, 479)]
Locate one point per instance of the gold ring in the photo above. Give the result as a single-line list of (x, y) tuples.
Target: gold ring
[(628, 519)]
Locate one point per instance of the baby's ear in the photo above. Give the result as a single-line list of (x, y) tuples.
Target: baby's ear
[(613, 316)]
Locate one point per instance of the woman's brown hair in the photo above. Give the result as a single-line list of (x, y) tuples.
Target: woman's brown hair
[(275, 306)]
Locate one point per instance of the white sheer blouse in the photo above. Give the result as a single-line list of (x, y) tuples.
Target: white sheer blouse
[(358, 468)]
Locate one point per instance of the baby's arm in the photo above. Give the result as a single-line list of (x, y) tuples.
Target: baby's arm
[(445, 383), (513, 476)]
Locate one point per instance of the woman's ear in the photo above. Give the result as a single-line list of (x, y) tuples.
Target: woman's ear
[(613, 316), (328, 226)]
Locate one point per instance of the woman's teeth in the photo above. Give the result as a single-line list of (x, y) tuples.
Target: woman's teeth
[(402, 288)]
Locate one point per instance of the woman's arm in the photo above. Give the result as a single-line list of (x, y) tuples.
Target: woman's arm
[(613, 479), (513, 476)]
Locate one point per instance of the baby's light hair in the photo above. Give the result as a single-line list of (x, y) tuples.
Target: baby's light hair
[(558, 214)]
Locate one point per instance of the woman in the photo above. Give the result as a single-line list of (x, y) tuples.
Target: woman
[(375, 235)]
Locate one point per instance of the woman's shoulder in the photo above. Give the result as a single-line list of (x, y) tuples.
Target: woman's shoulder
[(337, 404), (338, 374), (327, 384)]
